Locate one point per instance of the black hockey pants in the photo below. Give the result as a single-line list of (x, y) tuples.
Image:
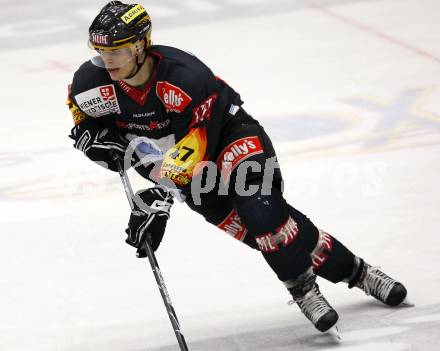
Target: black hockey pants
[(251, 208)]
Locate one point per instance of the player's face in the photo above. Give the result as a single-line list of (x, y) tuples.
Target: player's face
[(118, 62)]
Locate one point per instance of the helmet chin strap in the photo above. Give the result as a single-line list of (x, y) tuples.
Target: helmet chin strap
[(139, 64)]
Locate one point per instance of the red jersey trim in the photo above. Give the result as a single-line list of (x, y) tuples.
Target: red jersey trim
[(140, 96)]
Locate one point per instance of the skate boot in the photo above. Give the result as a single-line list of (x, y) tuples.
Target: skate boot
[(376, 283), (313, 305)]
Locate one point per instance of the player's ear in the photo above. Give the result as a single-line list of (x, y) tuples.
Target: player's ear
[(139, 47)]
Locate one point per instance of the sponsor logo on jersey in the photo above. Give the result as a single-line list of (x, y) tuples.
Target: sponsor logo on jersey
[(287, 232), (107, 92), (100, 39), (131, 14), (99, 101), (77, 114), (233, 226), (179, 179), (153, 125), (266, 243), (144, 114), (237, 152), (284, 235), (203, 110), (181, 161), (323, 248), (173, 98)]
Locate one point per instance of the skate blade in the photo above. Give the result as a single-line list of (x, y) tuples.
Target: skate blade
[(407, 303), (334, 333)]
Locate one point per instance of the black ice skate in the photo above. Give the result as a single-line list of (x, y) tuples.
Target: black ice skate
[(306, 294), (376, 283)]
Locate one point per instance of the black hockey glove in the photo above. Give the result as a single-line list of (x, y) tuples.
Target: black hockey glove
[(98, 142), (149, 217)]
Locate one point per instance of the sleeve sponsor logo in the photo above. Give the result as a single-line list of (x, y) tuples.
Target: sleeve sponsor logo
[(77, 114), (203, 110), (99, 101), (236, 152), (131, 14), (233, 226), (173, 98)]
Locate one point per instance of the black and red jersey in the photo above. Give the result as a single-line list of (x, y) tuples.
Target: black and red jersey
[(183, 99)]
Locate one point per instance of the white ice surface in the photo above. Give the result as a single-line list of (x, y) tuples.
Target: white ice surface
[(349, 92)]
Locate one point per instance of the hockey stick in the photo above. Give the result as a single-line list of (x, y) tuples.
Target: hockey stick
[(153, 261)]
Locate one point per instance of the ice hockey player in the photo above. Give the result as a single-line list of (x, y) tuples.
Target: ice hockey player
[(131, 88)]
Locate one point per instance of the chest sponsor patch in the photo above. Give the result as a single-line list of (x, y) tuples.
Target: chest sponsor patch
[(173, 98), (99, 101), (237, 152)]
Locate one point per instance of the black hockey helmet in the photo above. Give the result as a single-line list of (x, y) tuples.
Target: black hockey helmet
[(118, 25)]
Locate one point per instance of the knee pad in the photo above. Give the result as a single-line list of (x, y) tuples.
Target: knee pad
[(284, 235), (261, 214)]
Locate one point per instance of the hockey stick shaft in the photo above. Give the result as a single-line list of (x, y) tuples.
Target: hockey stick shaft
[(154, 264)]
